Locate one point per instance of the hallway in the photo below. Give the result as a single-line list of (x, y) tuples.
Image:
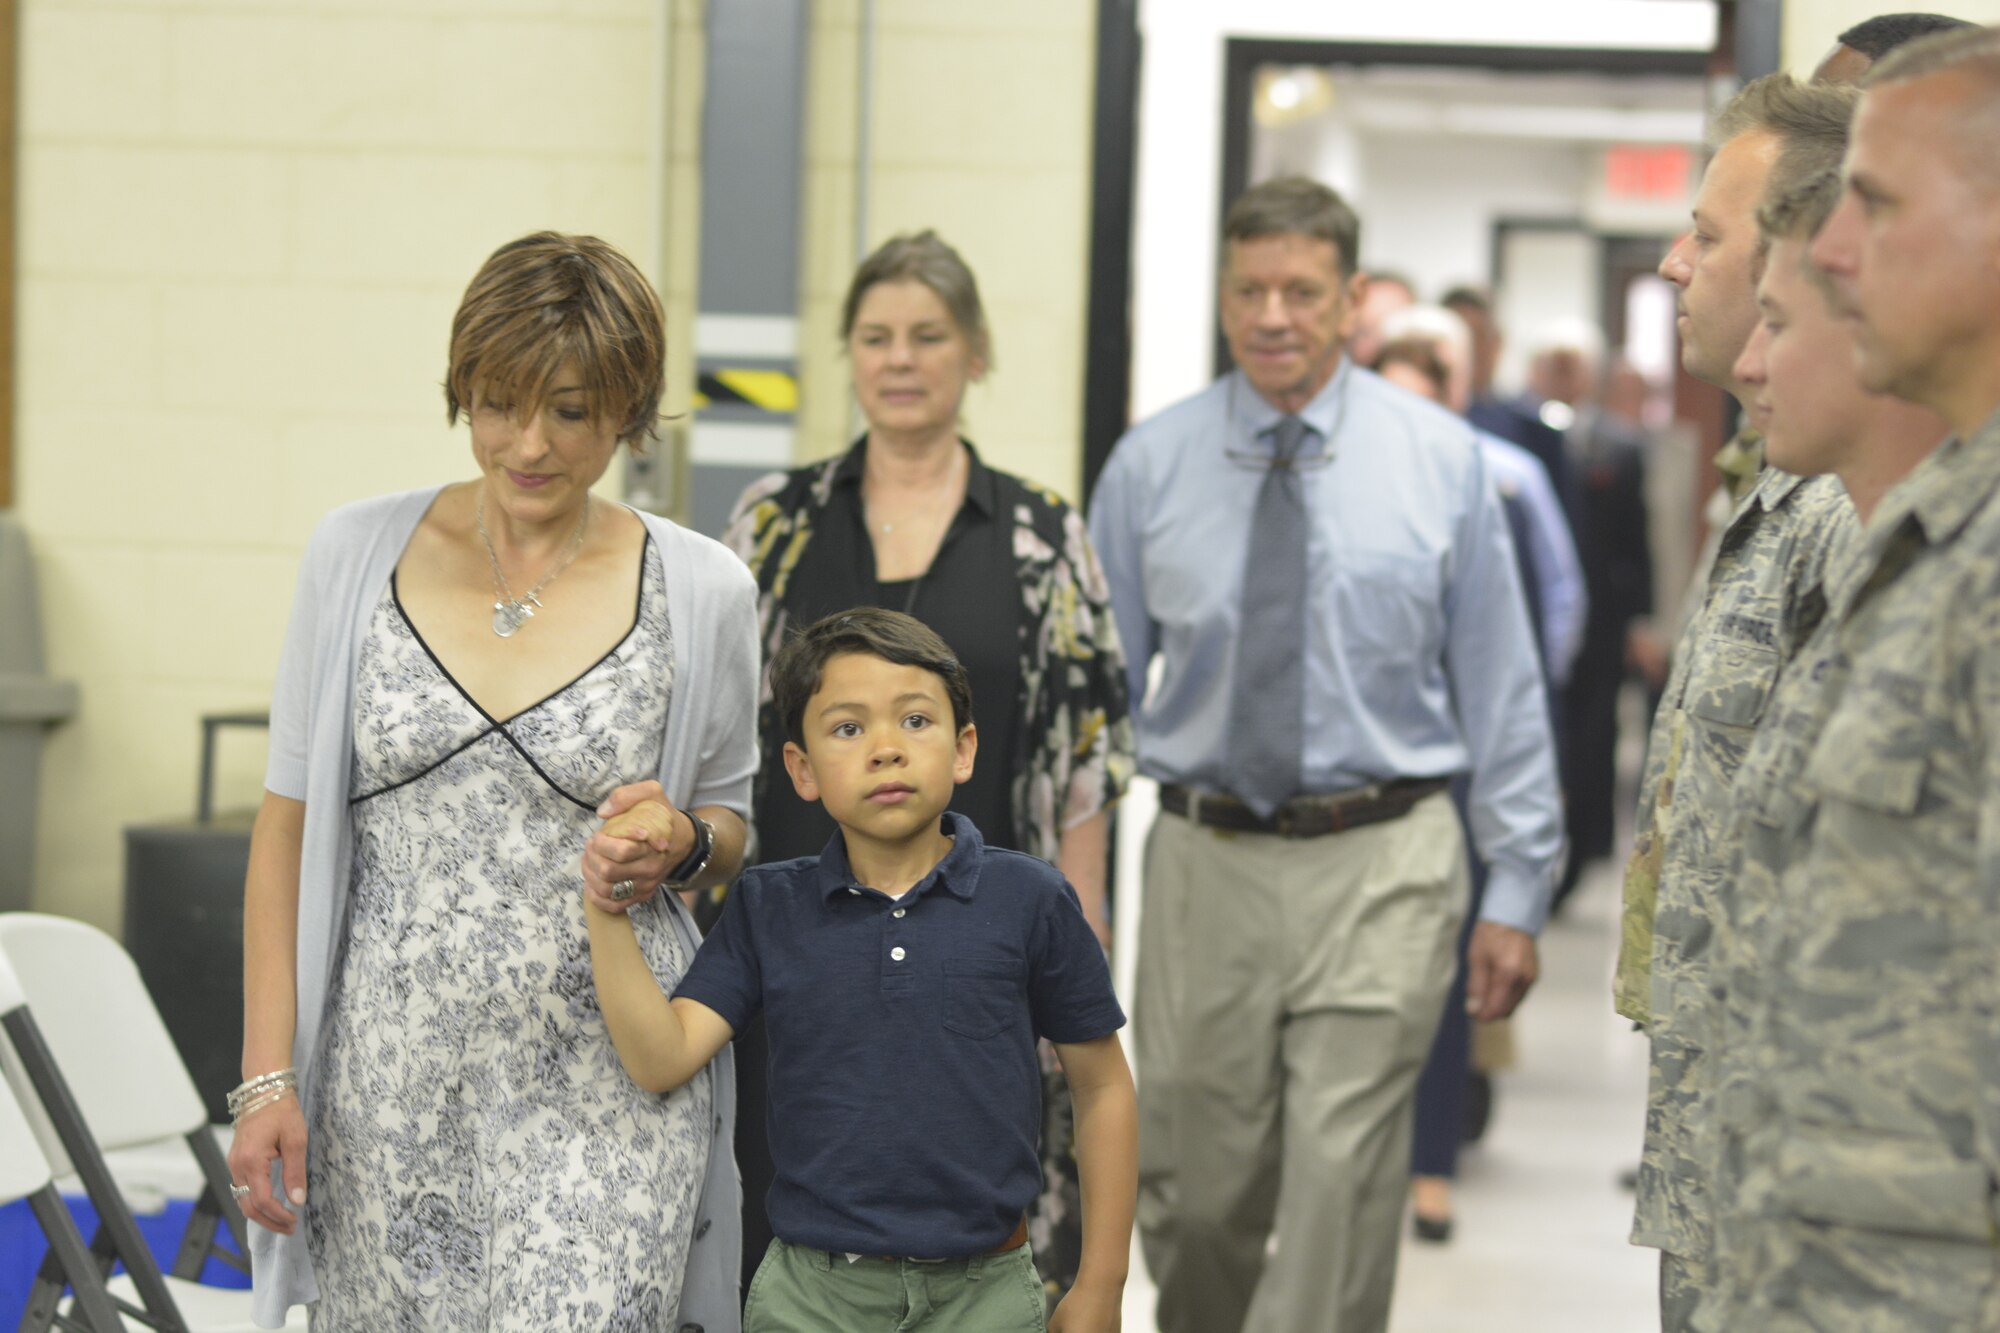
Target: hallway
[(1541, 1219)]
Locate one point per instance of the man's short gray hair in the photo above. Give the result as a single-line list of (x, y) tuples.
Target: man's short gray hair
[(1297, 206)]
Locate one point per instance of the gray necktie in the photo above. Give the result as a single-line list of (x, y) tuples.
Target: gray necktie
[(1267, 714)]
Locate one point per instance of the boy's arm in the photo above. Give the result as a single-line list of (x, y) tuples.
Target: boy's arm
[(662, 1043), (1107, 1159)]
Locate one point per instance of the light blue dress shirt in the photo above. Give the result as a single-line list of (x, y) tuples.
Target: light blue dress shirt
[(1419, 659), (1551, 551)]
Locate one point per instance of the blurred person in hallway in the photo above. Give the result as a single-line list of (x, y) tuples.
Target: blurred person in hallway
[(1321, 562), (1758, 602), (1607, 459), (1512, 419), (470, 670), (1801, 367), (1426, 353), (1386, 293), (1553, 577), (1856, 50)]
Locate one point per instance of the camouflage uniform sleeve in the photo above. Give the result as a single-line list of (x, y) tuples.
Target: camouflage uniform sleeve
[(1986, 714)]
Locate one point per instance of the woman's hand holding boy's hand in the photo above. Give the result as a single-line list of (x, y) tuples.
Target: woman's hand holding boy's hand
[(1088, 1309), (635, 844)]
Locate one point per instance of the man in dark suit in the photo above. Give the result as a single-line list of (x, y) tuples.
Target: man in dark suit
[(1513, 420), (1607, 458)]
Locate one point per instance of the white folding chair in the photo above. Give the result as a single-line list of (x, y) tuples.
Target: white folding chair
[(95, 1070), (24, 1174)]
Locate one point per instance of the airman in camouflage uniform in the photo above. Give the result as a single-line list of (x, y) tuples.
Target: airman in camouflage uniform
[(1761, 602), (1858, 1113), (1758, 605), (1859, 1118)]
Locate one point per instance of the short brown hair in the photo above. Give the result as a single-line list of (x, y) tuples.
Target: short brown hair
[(1797, 215), (800, 666), (1801, 211), (1297, 206), (1810, 122), (923, 257), (548, 300)]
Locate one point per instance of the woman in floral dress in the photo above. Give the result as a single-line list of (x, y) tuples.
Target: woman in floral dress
[(470, 671)]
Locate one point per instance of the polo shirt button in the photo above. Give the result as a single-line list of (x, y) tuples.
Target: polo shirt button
[(897, 953), (898, 913), (855, 892)]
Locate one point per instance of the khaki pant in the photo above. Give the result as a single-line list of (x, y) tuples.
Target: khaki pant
[(1288, 991), (802, 1290)]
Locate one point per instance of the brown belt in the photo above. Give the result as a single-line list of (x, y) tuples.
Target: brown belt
[(1303, 816), (1015, 1240)]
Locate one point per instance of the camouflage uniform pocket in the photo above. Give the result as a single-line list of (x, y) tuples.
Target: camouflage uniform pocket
[(1874, 781), (1884, 1182), (1735, 685)]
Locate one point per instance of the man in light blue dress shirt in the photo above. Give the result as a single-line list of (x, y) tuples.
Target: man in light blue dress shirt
[(1293, 963)]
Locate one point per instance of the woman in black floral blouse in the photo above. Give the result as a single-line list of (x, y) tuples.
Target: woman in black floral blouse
[(911, 518)]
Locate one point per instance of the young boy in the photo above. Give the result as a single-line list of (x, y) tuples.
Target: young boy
[(905, 974)]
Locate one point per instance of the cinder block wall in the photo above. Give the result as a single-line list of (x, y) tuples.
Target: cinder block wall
[(244, 227)]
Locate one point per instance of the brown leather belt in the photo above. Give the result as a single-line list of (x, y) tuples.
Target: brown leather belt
[(1015, 1240), (1303, 816)]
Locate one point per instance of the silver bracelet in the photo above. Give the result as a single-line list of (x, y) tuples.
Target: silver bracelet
[(241, 1113), (254, 1094)]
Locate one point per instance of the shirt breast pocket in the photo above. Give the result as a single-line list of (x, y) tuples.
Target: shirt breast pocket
[(1873, 755), (1391, 603), (983, 997), (1735, 685)]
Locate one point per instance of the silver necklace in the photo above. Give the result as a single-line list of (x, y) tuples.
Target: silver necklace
[(511, 612), (927, 512)]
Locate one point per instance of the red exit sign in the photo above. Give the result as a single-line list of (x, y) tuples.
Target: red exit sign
[(1647, 171)]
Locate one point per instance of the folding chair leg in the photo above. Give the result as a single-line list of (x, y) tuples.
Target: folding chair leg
[(216, 1205), (93, 1311), (119, 1227)]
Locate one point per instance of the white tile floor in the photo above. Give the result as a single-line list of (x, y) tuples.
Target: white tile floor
[(1541, 1220)]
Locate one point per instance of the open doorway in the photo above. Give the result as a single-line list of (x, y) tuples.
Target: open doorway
[(1553, 179)]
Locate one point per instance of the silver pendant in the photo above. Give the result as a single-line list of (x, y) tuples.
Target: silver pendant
[(509, 616)]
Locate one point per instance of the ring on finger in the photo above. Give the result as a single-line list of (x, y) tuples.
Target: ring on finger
[(623, 890), (237, 1191)]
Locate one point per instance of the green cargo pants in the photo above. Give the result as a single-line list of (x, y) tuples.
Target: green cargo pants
[(802, 1290)]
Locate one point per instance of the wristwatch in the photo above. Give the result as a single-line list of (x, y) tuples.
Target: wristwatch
[(696, 860)]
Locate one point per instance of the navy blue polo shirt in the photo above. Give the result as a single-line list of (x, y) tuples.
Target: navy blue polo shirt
[(905, 1094)]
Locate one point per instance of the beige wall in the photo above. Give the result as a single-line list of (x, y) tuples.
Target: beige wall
[(1811, 25), (244, 227), (980, 119)]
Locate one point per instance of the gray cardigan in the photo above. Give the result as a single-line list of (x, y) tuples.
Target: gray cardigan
[(709, 758)]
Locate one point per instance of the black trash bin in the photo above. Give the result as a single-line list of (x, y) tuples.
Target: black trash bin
[(184, 925)]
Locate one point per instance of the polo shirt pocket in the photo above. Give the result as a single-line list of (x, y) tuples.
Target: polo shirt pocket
[(982, 996)]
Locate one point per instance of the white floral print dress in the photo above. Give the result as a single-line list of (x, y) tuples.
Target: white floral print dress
[(479, 1160)]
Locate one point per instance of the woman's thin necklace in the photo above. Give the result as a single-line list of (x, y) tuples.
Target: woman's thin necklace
[(928, 509), (511, 612)]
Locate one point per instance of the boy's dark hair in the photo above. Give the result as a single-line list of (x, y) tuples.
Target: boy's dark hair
[(800, 665)]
